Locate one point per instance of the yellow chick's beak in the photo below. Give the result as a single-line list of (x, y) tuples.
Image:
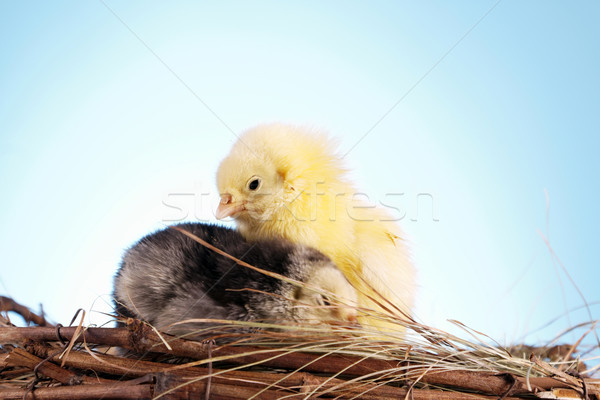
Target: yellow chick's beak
[(228, 207)]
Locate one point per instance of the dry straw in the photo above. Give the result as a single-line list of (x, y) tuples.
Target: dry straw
[(284, 361)]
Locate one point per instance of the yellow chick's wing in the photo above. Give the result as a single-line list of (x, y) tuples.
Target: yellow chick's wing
[(285, 181), (386, 265)]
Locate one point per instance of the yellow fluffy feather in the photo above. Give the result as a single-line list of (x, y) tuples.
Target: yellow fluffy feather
[(286, 181)]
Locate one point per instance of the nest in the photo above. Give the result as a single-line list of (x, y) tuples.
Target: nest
[(136, 361)]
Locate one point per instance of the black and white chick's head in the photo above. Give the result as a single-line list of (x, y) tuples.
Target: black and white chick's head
[(324, 295)]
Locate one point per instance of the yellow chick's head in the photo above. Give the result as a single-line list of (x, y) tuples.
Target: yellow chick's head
[(268, 168), (249, 186)]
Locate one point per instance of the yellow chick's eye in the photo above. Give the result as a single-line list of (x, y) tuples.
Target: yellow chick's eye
[(254, 183)]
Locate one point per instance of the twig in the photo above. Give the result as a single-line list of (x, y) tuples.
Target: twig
[(249, 379), (101, 391), (487, 382), (555, 371), (21, 358), (144, 339), (178, 387), (9, 305), (574, 347), (128, 367)]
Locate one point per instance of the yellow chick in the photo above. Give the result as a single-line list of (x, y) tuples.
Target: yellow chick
[(287, 181)]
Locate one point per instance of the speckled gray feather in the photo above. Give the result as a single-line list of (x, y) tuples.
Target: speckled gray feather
[(168, 277)]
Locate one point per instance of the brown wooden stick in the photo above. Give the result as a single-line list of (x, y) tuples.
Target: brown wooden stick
[(113, 365), (8, 304), (15, 373), (147, 340), (168, 383), (21, 358), (483, 382), (259, 380), (488, 382), (125, 366), (104, 391)]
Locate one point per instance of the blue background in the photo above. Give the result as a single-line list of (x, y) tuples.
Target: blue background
[(115, 115)]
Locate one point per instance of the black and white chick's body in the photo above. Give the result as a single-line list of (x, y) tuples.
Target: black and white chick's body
[(168, 277)]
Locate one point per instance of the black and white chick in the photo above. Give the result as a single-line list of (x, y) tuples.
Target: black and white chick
[(168, 277)]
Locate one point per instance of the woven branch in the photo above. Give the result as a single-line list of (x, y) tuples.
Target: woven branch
[(34, 362), (9, 305), (114, 373)]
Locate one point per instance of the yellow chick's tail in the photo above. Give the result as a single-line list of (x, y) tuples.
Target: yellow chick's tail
[(378, 265), (378, 310)]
